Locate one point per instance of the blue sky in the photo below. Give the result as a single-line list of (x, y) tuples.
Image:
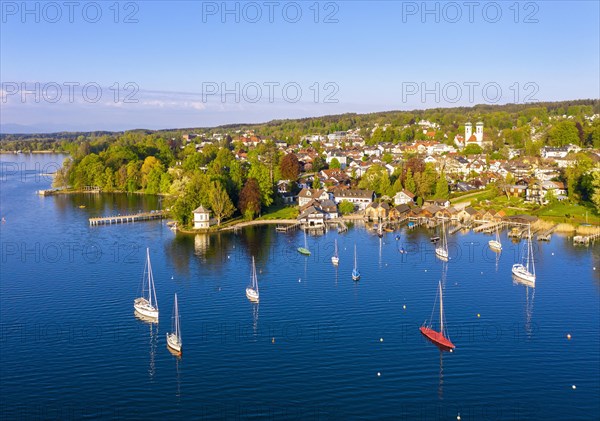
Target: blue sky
[(352, 57)]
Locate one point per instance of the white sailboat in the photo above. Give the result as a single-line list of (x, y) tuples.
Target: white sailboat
[(174, 338), (441, 250), (252, 290), (335, 258), (355, 272), (496, 244), (147, 305), (526, 271)]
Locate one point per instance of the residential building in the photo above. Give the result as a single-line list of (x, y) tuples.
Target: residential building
[(404, 197), (360, 198)]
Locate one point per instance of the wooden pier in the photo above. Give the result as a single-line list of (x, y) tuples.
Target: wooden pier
[(416, 222), (585, 240), (288, 227), (546, 235), (517, 232), (489, 227), (123, 219), (456, 228), (342, 227)]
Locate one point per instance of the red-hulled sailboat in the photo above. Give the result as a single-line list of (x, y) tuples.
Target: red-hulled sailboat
[(439, 338)]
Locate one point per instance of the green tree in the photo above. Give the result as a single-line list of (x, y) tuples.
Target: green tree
[(192, 193), (575, 176), (385, 185), (596, 190), (335, 164), (426, 181), (133, 176), (260, 173), (472, 149), (165, 182), (109, 180), (372, 179), (316, 184), (61, 179), (550, 197), (397, 186), (562, 133), (220, 203), (318, 163), (441, 187), (346, 207)]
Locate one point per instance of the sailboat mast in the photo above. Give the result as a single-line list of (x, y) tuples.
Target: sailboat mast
[(528, 246), (177, 319), (254, 279), (354, 256), (531, 258), (150, 283), (441, 310), (336, 252)]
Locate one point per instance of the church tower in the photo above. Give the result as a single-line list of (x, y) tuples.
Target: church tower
[(468, 131), (479, 132)]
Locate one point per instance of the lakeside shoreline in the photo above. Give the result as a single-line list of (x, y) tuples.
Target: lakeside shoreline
[(231, 225)]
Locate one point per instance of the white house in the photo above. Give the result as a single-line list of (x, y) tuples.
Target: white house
[(337, 136), (403, 197), (307, 195), (360, 198), (202, 218)]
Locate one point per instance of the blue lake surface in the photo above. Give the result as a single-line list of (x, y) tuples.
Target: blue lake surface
[(318, 346)]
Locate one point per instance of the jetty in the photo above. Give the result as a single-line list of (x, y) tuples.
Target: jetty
[(414, 222), (123, 219), (456, 228), (86, 189), (547, 234), (517, 232), (287, 227), (586, 240), (489, 227), (342, 227)]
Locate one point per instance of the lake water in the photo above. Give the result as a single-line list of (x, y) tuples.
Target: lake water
[(71, 348)]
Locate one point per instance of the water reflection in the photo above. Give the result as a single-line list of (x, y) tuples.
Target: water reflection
[(335, 268), (104, 204), (441, 380), (529, 297), (257, 242), (444, 273), (201, 244), (177, 375), (255, 318), (498, 253), (153, 339)]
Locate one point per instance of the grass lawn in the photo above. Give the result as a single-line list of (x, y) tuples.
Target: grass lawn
[(469, 197), (569, 212), (280, 212)]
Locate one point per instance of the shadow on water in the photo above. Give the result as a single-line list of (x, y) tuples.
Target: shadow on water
[(107, 204)]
